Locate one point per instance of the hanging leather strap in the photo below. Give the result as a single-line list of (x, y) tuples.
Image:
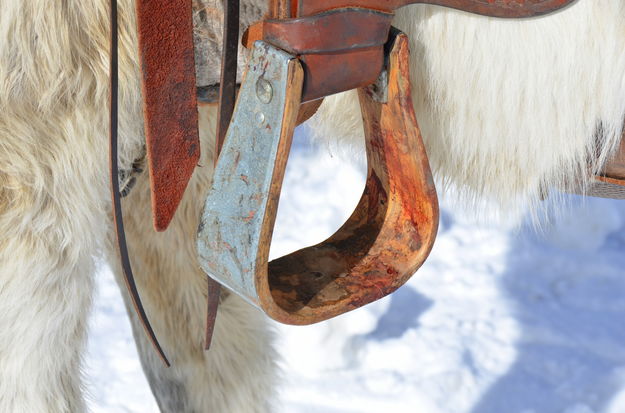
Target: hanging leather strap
[(228, 79), (115, 193), (165, 29), (227, 98)]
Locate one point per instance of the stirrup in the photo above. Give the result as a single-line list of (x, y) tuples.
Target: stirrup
[(381, 245)]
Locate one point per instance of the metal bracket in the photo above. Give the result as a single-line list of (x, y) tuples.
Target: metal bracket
[(232, 239)]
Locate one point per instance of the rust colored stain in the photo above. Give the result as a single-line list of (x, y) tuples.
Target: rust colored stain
[(165, 30)]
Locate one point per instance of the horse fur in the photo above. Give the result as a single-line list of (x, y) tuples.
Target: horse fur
[(507, 109), (55, 219), (510, 109)]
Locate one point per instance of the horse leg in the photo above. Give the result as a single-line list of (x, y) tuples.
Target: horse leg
[(50, 223), (237, 374)]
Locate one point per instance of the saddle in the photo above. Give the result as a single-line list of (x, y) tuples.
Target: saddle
[(303, 51)]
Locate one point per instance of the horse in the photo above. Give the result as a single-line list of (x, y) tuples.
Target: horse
[(508, 109)]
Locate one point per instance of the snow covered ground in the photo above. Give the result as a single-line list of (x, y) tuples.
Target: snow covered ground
[(498, 320)]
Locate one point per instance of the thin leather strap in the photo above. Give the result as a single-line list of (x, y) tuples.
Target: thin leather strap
[(227, 98), (212, 296), (228, 80), (115, 193)]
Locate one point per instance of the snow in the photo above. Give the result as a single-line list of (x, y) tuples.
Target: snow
[(500, 319)]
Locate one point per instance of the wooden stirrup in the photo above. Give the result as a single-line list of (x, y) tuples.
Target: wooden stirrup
[(383, 243)]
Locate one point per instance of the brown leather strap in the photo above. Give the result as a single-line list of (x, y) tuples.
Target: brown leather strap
[(227, 99), (494, 8), (212, 296), (228, 81), (115, 194), (165, 30)]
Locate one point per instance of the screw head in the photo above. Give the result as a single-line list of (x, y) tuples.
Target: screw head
[(264, 90)]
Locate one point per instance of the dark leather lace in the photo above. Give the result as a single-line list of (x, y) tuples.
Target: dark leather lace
[(115, 192)]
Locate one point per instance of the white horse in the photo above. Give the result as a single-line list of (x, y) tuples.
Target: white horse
[(507, 109)]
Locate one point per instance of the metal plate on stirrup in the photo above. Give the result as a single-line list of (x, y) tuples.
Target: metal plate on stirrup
[(231, 237)]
